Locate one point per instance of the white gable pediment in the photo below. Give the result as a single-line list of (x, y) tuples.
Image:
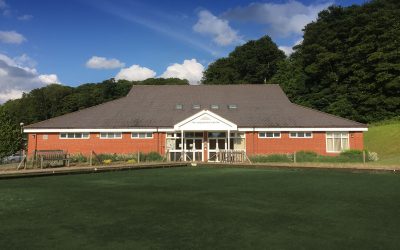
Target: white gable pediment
[(205, 121)]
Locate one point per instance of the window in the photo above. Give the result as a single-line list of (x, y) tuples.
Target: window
[(300, 135), (269, 135), (173, 135), (237, 135), (196, 106), (232, 106), (178, 106), (74, 135), (193, 134), (142, 135), (111, 135), (337, 141), (216, 134), (214, 106)]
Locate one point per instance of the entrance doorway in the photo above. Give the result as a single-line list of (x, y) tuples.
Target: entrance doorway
[(215, 145), (193, 149)]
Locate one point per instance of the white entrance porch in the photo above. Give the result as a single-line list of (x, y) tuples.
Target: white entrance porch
[(203, 137)]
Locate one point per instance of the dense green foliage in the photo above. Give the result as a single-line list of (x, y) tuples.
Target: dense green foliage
[(202, 208), (54, 100), (349, 156), (10, 135), (254, 62), (349, 62)]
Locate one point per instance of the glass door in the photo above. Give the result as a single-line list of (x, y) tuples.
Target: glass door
[(215, 145), (193, 149)]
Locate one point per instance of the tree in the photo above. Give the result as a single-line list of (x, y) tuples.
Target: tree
[(254, 62), (54, 100), (350, 62), (10, 134)]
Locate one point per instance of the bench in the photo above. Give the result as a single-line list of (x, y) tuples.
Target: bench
[(51, 156)]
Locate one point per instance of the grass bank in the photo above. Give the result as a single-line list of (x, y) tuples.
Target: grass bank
[(384, 138)]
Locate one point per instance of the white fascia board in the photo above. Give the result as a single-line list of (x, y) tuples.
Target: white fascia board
[(166, 130), (303, 129), (78, 130), (217, 123)]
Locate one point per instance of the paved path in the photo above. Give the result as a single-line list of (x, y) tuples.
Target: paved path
[(95, 169)]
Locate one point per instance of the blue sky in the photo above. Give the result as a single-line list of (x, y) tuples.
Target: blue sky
[(79, 41)]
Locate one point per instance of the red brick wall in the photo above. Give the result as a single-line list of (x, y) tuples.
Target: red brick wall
[(317, 143), (125, 145)]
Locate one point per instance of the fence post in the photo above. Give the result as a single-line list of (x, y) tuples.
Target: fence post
[(294, 157), (138, 157), (364, 156), (91, 158)]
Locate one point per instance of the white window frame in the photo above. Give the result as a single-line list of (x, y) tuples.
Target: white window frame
[(110, 138), (74, 133), (341, 138), (173, 135), (142, 138), (298, 137), (273, 135)]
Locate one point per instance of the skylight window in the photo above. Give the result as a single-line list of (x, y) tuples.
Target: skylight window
[(214, 106), (232, 106), (196, 106), (179, 106)]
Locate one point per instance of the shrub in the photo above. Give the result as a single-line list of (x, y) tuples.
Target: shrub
[(79, 158), (108, 161), (306, 156), (271, 158), (151, 157), (351, 156), (131, 161)]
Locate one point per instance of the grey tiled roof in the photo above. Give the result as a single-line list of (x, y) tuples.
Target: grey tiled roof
[(154, 106)]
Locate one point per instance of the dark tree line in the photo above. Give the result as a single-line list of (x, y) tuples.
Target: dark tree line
[(252, 63), (54, 100)]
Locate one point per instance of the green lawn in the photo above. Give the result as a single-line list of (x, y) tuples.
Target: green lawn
[(385, 140), (200, 208)]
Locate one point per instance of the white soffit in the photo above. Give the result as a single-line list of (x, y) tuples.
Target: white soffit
[(205, 121), (304, 129)]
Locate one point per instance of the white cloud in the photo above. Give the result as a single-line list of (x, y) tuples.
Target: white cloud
[(286, 49), (189, 69), (97, 62), (17, 76), (49, 79), (282, 19), (11, 37), (25, 17), (135, 73), (218, 28), (3, 4), (289, 50), (9, 95)]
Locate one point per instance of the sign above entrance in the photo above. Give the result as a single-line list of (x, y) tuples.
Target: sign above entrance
[(205, 121)]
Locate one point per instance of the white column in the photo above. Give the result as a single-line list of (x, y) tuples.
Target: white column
[(229, 140), (183, 146)]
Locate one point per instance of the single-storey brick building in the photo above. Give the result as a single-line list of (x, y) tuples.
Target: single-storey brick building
[(196, 122)]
